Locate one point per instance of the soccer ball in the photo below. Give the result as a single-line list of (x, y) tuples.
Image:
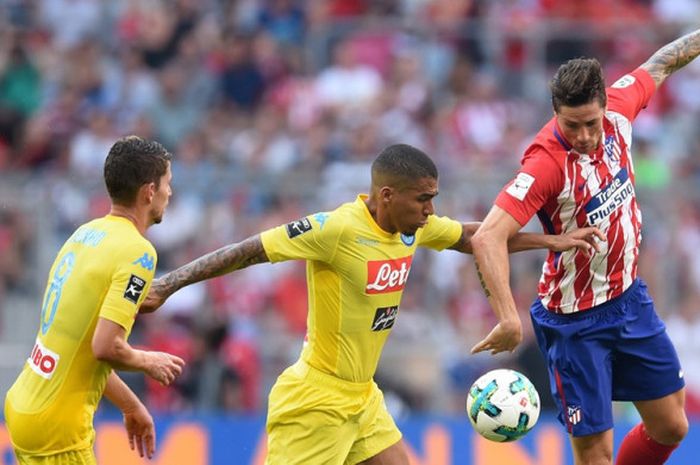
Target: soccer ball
[(503, 405)]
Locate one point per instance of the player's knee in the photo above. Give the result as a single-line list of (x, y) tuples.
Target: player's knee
[(597, 454), (598, 457), (676, 431), (672, 432)]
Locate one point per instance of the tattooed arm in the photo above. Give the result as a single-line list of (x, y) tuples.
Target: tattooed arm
[(217, 263), (672, 57), (490, 244)]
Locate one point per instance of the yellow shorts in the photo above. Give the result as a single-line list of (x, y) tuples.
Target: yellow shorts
[(316, 418), (72, 457)]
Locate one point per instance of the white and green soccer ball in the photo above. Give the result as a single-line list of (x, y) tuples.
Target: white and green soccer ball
[(503, 405)]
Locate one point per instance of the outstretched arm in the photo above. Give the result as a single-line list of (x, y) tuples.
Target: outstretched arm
[(672, 57), (583, 239), (217, 263)]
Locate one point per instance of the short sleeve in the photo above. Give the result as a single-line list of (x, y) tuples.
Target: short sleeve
[(440, 232), (314, 237), (132, 277), (539, 179), (631, 93)]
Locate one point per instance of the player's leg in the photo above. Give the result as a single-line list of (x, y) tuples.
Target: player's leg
[(74, 457), (663, 427), (664, 419), (393, 455), (577, 350), (307, 422), (593, 449), (648, 372), (379, 439)]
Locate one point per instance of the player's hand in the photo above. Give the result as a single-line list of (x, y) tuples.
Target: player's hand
[(584, 239), (157, 295), (142, 433), (504, 337), (163, 367)]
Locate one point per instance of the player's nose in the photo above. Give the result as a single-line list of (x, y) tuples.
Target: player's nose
[(428, 209)]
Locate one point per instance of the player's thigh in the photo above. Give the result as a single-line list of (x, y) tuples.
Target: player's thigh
[(315, 438), (593, 449), (379, 438), (394, 455), (664, 418), (74, 457), (307, 423), (646, 365), (577, 352)]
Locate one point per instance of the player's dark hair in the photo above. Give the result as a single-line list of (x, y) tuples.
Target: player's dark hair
[(578, 82), (132, 162), (404, 161)]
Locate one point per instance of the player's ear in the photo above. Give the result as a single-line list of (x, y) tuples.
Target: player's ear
[(386, 193), (148, 191)]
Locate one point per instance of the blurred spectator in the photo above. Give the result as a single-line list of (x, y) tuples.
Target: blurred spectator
[(172, 113), (347, 85), (284, 20), (209, 385), (87, 149), (71, 21), (15, 243), (20, 82), (242, 82)]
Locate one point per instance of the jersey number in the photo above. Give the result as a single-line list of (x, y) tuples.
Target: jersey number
[(53, 294)]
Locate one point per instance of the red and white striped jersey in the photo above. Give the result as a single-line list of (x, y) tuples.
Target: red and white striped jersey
[(568, 190)]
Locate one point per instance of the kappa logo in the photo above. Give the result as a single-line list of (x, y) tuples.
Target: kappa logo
[(134, 288), (384, 276), (146, 261), (298, 227), (384, 318), (321, 219), (574, 414)]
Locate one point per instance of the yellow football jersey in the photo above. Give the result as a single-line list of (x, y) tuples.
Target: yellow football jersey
[(103, 270), (356, 274)]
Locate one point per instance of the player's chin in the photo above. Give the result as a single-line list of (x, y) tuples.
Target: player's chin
[(411, 231)]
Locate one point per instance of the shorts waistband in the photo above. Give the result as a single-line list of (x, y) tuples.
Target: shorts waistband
[(313, 375), (615, 304)]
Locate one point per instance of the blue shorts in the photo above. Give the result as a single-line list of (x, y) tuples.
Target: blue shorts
[(618, 350)]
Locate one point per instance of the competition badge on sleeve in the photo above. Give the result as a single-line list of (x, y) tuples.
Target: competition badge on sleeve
[(134, 288)]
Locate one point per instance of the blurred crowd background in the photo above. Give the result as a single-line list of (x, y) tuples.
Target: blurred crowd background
[(274, 109)]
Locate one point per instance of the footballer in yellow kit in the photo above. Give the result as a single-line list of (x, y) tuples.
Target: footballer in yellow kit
[(50, 407), (356, 273)]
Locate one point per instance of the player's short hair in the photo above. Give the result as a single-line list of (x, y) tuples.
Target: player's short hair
[(132, 162), (578, 82), (403, 161)]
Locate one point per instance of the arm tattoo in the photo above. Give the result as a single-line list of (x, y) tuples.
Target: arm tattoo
[(219, 262), (673, 56), (481, 280)]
